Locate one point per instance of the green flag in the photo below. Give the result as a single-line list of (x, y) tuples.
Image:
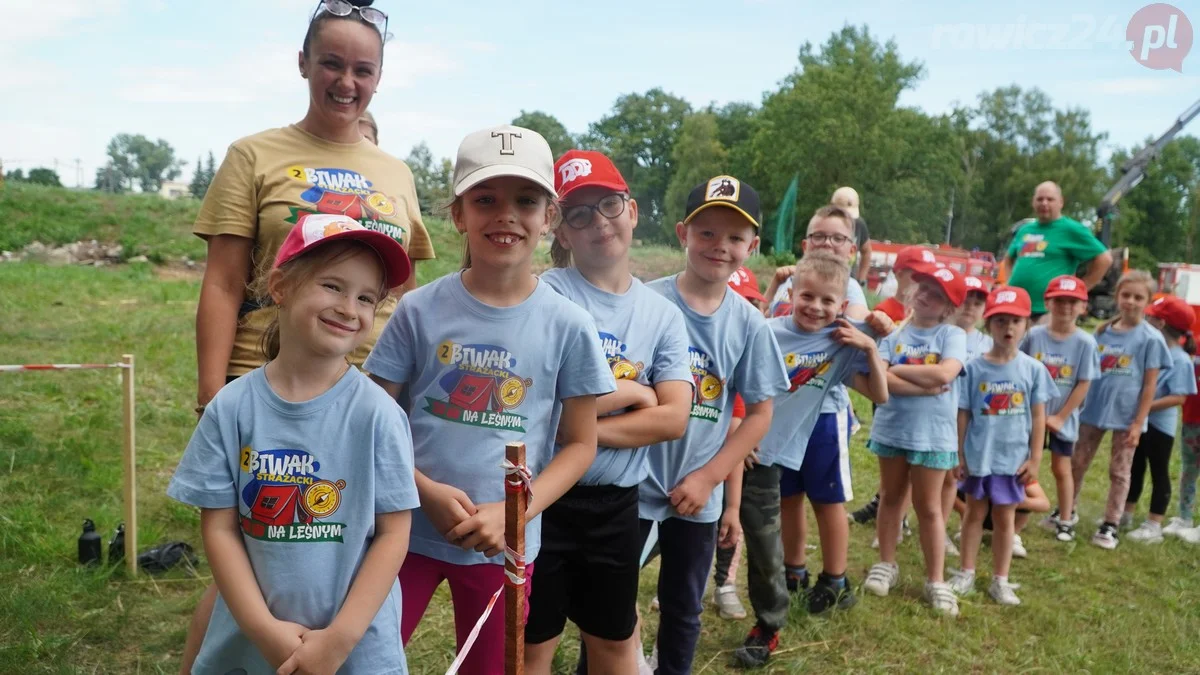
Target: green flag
[(785, 220)]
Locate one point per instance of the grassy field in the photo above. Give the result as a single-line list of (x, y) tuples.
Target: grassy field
[(1134, 609)]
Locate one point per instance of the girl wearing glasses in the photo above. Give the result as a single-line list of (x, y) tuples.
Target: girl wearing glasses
[(591, 541), (321, 164)]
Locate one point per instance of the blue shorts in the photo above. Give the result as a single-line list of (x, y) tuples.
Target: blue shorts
[(824, 474), (938, 460), (1058, 446)]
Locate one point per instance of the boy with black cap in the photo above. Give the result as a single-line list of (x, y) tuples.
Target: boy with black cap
[(732, 351)]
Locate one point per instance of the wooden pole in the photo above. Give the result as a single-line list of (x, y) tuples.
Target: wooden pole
[(130, 462), (516, 502)]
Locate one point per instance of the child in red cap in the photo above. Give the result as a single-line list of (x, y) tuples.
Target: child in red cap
[(1176, 381), (1001, 430), (908, 259)]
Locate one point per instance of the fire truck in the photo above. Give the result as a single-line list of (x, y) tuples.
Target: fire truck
[(1181, 280), (977, 263)]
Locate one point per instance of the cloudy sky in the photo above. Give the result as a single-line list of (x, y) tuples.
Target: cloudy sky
[(202, 74)]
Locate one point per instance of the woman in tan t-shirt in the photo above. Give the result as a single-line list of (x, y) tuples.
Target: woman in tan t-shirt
[(321, 164)]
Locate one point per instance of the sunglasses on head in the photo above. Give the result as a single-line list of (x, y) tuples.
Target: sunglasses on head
[(373, 16)]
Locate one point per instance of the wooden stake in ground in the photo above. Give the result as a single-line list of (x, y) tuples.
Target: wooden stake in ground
[(130, 462), (516, 502)]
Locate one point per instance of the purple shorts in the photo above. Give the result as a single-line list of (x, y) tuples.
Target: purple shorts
[(1058, 446), (1001, 490)]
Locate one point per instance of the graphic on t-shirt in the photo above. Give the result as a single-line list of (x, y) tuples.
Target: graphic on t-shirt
[(348, 193), (1033, 246), (614, 351), (709, 386), (481, 387), (285, 498), (915, 355), (807, 370), (1002, 398), (1114, 361), (1056, 364)]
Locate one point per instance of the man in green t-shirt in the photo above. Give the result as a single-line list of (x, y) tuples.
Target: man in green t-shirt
[(1051, 246)]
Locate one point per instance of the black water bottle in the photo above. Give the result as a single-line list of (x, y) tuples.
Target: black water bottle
[(116, 547), (89, 544)]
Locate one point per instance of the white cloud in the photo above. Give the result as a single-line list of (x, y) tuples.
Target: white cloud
[(406, 62), (29, 21)]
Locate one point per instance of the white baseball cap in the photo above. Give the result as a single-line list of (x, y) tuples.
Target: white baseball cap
[(503, 151)]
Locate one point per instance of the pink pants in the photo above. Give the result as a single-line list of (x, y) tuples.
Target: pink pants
[(471, 586), (1119, 466)]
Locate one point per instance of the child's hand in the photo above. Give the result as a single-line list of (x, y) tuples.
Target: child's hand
[(751, 460), (730, 530), (322, 652), (278, 641), (692, 493), (847, 334), (483, 532), (782, 274), (1028, 472), (1135, 433), (1054, 423), (880, 323), (960, 471), (447, 507)]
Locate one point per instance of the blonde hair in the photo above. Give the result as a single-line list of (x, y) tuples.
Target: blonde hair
[(296, 272), (833, 211), (1137, 277), (454, 208), (369, 119), (824, 265)]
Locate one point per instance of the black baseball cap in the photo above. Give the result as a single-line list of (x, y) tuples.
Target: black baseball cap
[(725, 191)]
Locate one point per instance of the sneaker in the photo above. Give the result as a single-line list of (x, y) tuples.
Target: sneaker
[(654, 604), (867, 513), (1175, 524), (1074, 519), (1191, 536), (1050, 522), (1002, 592), (1064, 532), (951, 549), (1106, 537), (881, 578), (1149, 532), (827, 594), (905, 530), (1018, 550), (757, 648), (729, 606), (650, 663), (1125, 523), (962, 582), (939, 596), (796, 583)]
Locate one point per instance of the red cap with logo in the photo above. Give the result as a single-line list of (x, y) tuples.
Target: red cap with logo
[(1174, 311), (1012, 300), (975, 284), (1066, 286), (746, 284), (951, 282), (581, 168), (912, 257), (314, 229)]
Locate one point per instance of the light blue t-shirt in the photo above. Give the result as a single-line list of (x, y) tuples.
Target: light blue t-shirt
[(920, 423), (479, 377), (1000, 398), (1177, 378), (978, 342), (1125, 356), (307, 480), (645, 340), (731, 351), (815, 363), (1068, 362)]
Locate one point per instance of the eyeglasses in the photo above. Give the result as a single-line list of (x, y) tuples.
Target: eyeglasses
[(820, 239), (580, 215), (373, 16)]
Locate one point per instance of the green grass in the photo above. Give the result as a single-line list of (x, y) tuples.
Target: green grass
[(1085, 610)]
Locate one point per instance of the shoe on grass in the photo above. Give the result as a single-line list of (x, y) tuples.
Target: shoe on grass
[(756, 650), (881, 578), (1149, 532), (939, 596), (867, 513), (1191, 536), (962, 582), (1018, 549), (1175, 524), (1106, 537), (829, 593), (1065, 532), (1003, 592), (729, 606)]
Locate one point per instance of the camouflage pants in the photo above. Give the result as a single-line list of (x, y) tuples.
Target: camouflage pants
[(764, 546)]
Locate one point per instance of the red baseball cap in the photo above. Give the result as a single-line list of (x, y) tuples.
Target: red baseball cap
[(951, 282), (315, 229), (1174, 311), (1012, 300), (1066, 286), (746, 284), (975, 284), (581, 168), (911, 257)]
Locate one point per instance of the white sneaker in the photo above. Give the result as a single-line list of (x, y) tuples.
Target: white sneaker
[(962, 582), (1050, 522), (654, 604), (1002, 592), (647, 666), (729, 606), (1149, 532), (1019, 547), (939, 596), (951, 549), (1105, 537), (881, 578), (1191, 536), (1175, 524)]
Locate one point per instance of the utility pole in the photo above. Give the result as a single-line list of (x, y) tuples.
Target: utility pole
[(78, 173), (950, 217)]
